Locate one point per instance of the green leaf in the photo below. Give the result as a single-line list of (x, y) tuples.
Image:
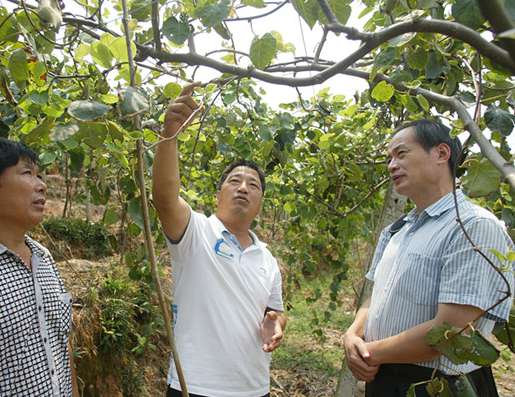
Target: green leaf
[(445, 339), (263, 50), (107, 39), (222, 31), (40, 134), (325, 141), (171, 90), (439, 387), (341, 10), (133, 102), (265, 133), (482, 178), (118, 48), (468, 13), (411, 391), (87, 110), (18, 67), (45, 42), (115, 131), (8, 30), (134, 211), (109, 99), (309, 10), (401, 40), (254, 3), (140, 9), (212, 12), (110, 217), (423, 102), (81, 51), (92, 133), (483, 351), (434, 66), (281, 45), (417, 59), (498, 119), (101, 54), (386, 57), (501, 330), (175, 30), (383, 91), (47, 158)]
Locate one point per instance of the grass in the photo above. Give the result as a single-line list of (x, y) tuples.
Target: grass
[(312, 341)]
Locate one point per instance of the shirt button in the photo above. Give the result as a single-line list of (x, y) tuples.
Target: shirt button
[(45, 340)]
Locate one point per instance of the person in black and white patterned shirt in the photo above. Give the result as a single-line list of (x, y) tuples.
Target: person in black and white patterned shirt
[(35, 309)]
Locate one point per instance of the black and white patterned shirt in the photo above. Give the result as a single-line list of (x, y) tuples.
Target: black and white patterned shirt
[(35, 320)]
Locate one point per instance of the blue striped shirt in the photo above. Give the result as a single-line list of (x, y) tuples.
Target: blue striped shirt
[(429, 261)]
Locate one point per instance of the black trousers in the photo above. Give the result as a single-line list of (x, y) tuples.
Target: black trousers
[(177, 393), (394, 380)]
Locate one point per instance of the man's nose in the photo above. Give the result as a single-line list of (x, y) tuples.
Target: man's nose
[(392, 165), (243, 186), (41, 186)]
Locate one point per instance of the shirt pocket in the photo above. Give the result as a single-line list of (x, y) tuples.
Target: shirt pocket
[(65, 302), (419, 280)]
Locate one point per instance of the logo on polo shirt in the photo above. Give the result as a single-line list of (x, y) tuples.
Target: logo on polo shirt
[(222, 249)]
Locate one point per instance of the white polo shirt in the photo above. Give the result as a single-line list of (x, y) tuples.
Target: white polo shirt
[(220, 297)]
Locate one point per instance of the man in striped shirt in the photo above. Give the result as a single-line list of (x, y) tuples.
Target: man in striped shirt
[(427, 273)]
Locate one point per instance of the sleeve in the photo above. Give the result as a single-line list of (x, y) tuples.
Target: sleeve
[(384, 238), (275, 301), (182, 249), (467, 278)]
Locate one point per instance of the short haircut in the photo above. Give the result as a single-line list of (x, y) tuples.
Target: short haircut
[(432, 133), (243, 163), (11, 152)]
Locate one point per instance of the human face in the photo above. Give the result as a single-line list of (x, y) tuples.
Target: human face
[(22, 195), (240, 194), (415, 172)]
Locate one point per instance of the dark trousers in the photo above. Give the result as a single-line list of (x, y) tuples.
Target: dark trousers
[(394, 380), (177, 393)]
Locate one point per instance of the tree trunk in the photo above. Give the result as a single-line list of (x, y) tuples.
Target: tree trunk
[(393, 208)]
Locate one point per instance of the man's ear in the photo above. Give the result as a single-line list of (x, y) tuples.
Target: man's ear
[(443, 152)]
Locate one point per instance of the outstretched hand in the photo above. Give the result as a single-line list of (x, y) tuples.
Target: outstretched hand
[(180, 112), (271, 331)]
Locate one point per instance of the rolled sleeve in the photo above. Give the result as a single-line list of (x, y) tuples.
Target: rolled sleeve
[(276, 297), (467, 278)]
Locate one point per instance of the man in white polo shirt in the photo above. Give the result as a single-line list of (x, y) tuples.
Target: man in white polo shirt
[(228, 301)]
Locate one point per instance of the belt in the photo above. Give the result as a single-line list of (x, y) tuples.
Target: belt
[(411, 373)]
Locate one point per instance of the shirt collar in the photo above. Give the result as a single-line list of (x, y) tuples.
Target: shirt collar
[(35, 247), (439, 207), (220, 229)]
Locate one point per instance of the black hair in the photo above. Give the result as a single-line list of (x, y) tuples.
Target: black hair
[(432, 133), (11, 152), (243, 163)]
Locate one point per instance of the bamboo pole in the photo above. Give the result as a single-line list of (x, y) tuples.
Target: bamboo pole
[(149, 244)]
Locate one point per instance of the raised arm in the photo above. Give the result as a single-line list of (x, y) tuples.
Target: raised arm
[(172, 209)]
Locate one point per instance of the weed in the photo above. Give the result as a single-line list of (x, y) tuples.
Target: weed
[(86, 240)]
